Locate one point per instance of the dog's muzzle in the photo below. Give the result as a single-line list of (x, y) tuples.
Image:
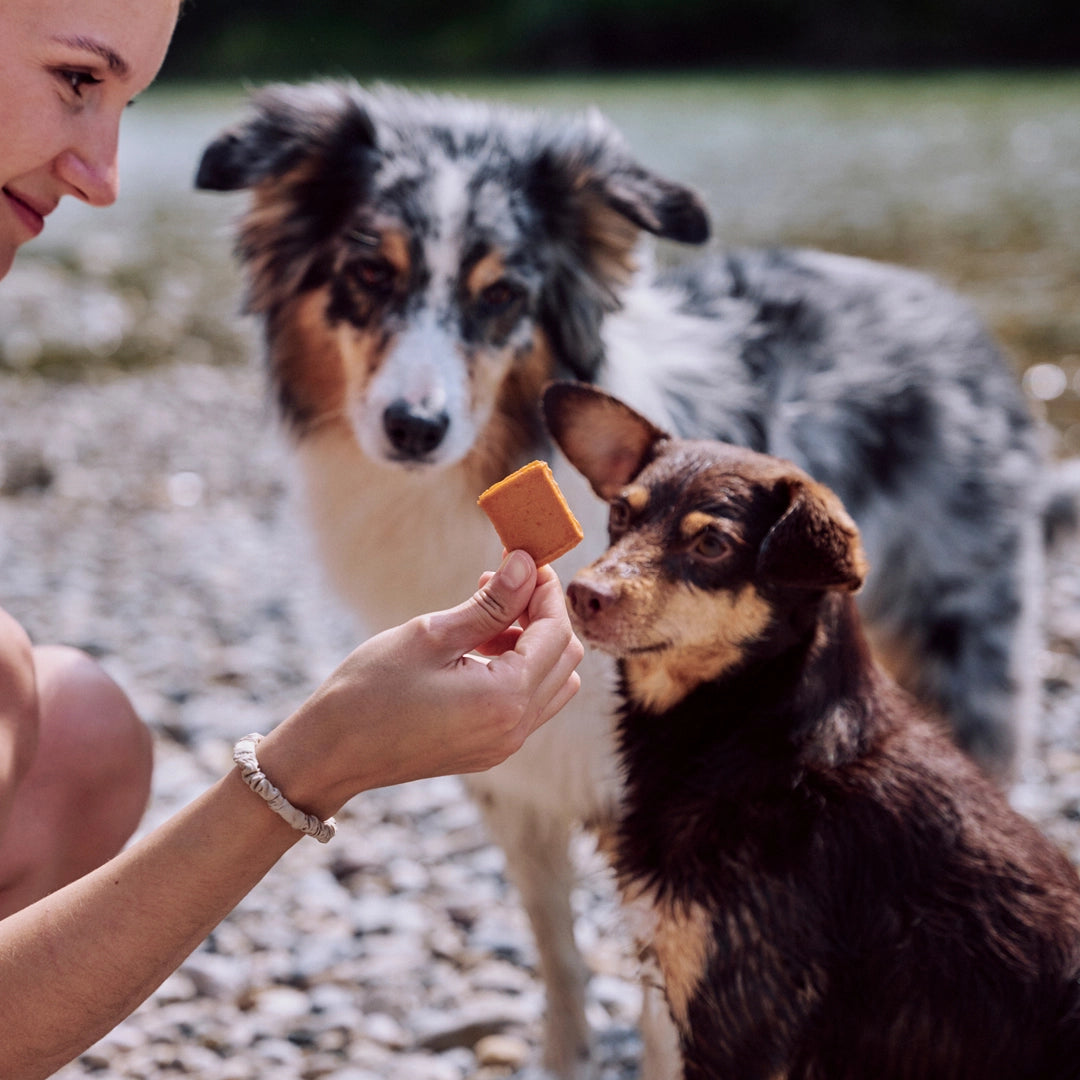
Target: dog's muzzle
[(589, 600)]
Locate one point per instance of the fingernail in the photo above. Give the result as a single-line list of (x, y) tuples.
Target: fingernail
[(515, 569)]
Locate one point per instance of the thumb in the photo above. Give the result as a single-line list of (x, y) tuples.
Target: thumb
[(492, 608)]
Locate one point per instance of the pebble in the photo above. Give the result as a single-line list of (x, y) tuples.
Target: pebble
[(502, 1050)]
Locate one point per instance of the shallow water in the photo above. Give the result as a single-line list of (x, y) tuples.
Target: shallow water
[(973, 178)]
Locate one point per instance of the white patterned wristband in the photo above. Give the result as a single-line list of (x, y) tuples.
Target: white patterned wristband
[(255, 778)]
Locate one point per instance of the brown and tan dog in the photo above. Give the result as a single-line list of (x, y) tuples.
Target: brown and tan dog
[(830, 890)]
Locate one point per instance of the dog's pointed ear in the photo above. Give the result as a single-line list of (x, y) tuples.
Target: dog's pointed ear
[(285, 124), (814, 544), (605, 440)]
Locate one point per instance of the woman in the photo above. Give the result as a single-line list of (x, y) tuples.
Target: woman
[(89, 933)]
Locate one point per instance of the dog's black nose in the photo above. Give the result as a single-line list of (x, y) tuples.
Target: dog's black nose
[(588, 599), (412, 430)]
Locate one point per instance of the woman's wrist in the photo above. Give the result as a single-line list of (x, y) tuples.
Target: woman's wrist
[(245, 754), (296, 762)]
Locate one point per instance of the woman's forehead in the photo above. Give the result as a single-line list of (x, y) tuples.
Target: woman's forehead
[(129, 37)]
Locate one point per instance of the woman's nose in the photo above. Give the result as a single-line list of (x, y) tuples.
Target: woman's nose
[(90, 168)]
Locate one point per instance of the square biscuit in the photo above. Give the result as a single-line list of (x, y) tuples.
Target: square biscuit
[(529, 512)]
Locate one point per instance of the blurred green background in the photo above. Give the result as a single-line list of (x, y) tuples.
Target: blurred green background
[(426, 38)]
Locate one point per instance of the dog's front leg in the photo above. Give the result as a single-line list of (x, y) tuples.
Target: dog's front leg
[(538, 863), (661, 1057)]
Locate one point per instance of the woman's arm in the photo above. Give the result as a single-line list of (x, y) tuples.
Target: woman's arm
[(404, 705), (74, 964)]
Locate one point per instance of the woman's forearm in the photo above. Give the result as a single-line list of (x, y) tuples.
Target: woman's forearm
[(79, 961)]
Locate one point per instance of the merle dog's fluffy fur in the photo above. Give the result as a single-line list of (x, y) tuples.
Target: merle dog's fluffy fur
[(828, 887), (423, 266)]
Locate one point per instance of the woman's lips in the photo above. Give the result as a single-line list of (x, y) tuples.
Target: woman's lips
[(31, 218)]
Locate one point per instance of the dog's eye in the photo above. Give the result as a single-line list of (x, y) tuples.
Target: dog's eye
[(710, 544), (375, 275), (499, 295), (618, 517)]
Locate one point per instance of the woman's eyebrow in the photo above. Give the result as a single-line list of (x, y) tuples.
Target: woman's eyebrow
[(117, 64)]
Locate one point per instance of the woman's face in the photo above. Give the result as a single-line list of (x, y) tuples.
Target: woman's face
[(67, 71)]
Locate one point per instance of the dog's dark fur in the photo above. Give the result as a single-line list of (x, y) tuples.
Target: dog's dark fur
[(424, 266), (833, 891)]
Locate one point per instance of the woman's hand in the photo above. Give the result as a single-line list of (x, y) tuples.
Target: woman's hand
[(410, 702)]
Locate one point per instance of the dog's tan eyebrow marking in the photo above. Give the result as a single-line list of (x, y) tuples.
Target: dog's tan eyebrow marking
[(484, 272), (636, 497), (395, 248), (695, 522)]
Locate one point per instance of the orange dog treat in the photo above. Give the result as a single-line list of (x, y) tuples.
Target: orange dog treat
[(529, 512)]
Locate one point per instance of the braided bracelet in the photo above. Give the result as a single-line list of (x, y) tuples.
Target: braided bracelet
[(253, 776)]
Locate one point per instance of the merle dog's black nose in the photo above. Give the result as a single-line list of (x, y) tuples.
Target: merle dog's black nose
[(412, 430)]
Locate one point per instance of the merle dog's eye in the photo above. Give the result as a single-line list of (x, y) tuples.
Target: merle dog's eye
[(618, 517), (499, 295), (710, 544), (375, 275)]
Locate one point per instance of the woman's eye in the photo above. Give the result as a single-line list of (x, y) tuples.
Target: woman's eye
[(710, 545), (77, 80), (499, 295)]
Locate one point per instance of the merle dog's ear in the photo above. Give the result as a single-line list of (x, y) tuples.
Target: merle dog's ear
[(606, 441), (595, 200), (589, 162), (287, 124), (658, 206), (814, 544)]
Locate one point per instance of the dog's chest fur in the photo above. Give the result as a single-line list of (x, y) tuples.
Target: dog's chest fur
[(394, 543), (702, 814)]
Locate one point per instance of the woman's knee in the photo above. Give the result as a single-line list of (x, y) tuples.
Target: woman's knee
[(88, 725), (87, 787), (95, 758)]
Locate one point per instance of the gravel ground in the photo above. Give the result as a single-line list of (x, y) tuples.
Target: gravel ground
[(147, 518)]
